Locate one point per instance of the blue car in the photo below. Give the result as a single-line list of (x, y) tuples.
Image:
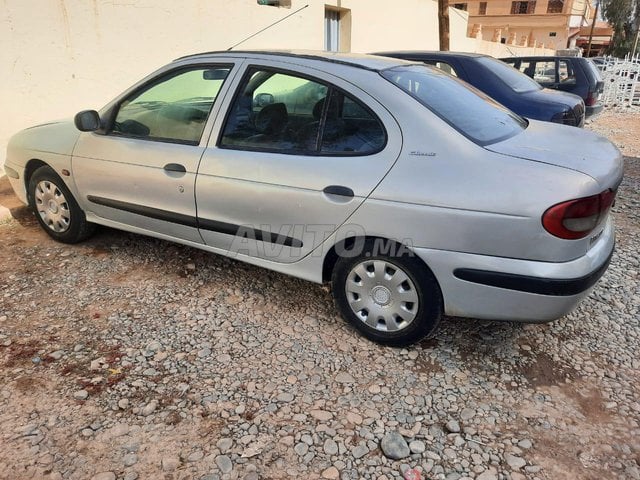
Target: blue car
[(505, 84)]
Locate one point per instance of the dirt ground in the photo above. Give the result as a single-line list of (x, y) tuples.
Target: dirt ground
[(64, 308)]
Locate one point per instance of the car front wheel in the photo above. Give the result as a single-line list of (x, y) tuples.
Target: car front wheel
[(391, 299), (55, 208)]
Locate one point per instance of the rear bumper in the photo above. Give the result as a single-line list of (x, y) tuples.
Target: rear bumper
[(496, 288)]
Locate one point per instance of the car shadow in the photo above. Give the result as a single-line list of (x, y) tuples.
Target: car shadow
[(11, 206)]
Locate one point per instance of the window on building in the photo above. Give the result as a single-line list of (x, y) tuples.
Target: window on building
[(552, 34), (482, 10), (331, 30), (521, 8), (555, 6), (460, 6)]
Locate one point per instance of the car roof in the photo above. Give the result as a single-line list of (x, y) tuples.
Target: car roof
[(363, 61), (431, 53)]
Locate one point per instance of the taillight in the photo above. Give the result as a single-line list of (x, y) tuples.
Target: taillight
[(566, 118), (577, 218), (591, 100)]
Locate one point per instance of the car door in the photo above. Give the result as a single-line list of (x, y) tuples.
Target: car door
[(140, 170), (298, 152)]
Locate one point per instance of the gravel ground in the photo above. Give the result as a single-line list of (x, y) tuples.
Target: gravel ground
[(128, 357)]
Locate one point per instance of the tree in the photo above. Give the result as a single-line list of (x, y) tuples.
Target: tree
[(624, 17), (443, 24)]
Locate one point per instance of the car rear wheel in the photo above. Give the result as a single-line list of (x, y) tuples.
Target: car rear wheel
[(55, 208), (391, 299)]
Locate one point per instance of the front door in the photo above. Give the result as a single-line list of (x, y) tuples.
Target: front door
[(141, 171), (297, 154)]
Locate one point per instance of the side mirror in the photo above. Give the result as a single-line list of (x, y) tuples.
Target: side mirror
[(87, 121), (263, 99)]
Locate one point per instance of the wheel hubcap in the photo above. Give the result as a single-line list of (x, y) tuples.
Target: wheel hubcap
[(382, 295), (52, 206)]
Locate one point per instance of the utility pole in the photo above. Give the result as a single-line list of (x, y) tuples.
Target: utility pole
[(443, 24), (635, 44), (593, 25)]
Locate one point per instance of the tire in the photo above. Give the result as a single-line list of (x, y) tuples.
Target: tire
[(55, 208), (392, 299)]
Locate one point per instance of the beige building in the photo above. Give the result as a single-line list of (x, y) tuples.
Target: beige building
[(552, 24)]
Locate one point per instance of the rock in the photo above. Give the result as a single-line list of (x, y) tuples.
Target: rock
[(354, 418), (526, 444), (321, 415), (359, 451), (57, 355), (149, 408), (81, 395), (301, 448), (394, 446), (453, 426), (195, 456), (130, 459), (330, 447), (516, 463), (224, 444), (170, 463), (224, 463), (331, 473), (123, 403), (285, 397), (417, 446), (104, 476), (344, 377), (487, 475), (130, 476), (467, 414), (118, 430)]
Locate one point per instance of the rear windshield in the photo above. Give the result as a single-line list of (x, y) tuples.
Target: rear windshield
[(516, 80), (593, 70), (466, 109)]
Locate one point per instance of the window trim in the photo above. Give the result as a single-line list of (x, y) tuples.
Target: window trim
[(331, 88), (152, 82)]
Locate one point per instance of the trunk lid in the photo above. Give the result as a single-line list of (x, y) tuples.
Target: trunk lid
[(566, 147)]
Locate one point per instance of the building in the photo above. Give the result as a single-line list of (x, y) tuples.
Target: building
[(551, 24), (602, 38)]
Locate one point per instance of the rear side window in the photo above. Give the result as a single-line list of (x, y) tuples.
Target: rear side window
[(566, 74), (468, 110), (283, 112), (509, 75)]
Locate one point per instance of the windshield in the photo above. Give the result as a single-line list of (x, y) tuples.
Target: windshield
[(466, 109), (516, 80)]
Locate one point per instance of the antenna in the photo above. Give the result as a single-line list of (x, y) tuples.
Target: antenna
[(266, 28)]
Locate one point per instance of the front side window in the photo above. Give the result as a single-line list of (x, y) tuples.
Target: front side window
[(173, 109), (282, 112), (466, 109)]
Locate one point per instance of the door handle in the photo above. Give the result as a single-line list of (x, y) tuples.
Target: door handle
[(338, 190), (175, 167)]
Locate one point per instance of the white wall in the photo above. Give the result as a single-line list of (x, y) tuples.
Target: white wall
[(61, 56)]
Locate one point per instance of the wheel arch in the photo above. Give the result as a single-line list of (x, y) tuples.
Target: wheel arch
[(332, 256), (31, 166)]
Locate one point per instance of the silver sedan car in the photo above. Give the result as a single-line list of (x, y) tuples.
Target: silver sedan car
[(412, 193)]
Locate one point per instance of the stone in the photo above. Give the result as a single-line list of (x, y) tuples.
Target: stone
[(526, 444), (57, 355), (321, 415), (359, 451), (224, 444), (330, 447), (331, 473), (394, 446), (81, 395), (130, 459), (453, 426), (149, 408), (516, 463), (285, 397), (224, 463), (344, 377), (123, 403), (417, 446), (301, 448), (169, 464), (487, 475), (467, 414)]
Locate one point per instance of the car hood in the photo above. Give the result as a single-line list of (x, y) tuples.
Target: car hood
[(567, 147), (53, 137)]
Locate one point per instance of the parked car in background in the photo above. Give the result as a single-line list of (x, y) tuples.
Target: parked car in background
[(577, 75), (412, 193), (511, 88)]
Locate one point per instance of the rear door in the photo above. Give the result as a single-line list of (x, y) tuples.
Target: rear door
[(298, 151)]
